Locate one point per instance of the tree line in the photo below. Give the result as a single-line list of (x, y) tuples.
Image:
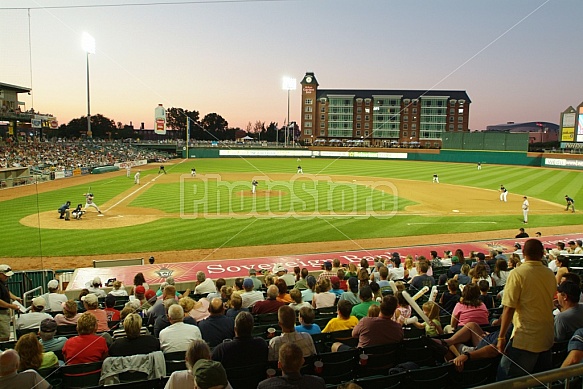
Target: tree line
[(211, 127)]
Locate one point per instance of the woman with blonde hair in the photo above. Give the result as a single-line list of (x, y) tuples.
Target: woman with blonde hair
[(31, 353), (410, 268), (323, 297), (69, 315), (351, 272), (200, 309), (187, 305), (118, 290), (183, 379)]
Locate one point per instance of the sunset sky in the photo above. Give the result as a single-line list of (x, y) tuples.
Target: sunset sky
[(518, 60)]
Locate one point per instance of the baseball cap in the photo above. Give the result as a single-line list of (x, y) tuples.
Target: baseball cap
[(396, 254), (571, 242), (252, 271), (170, 280), (96, 280), (53, 284), (517, 245), (140, 289), (334, 280), (39, 302), (248, 283), (209, 373), (48, 325), (6, 270), (328, 265), (149, 294), (455, 259), (554, 253), (90, 298), (278, 268), (311, 280), (481, 256)]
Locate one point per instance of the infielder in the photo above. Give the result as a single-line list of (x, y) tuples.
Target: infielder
[(525, 207), (254, 184), (570, 203), (161, 170), (137, 178), (435, 178), (193, 172), (128, 171), (89, 202), (300, 170), (503, 193)]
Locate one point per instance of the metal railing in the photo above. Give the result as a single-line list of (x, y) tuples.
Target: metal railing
[(536, 380)]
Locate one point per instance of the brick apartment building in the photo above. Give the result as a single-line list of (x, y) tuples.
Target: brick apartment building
[(380, 118)]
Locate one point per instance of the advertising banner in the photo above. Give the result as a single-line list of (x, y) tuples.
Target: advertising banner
[(160, 120)]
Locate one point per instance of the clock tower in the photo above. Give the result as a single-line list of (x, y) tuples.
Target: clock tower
[(309, 124)]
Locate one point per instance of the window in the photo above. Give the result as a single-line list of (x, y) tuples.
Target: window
[(308, 132), (308, 102), (322, 125), (366, 125), (460, 119), (451, 127), (358, 109), (322, 133), (322, 117), (357, 132), (414, 111), (367, 101), (405, 126), (358, 117), (323, 100), (414, 126), (308, 124), (452, 102), (461, 110), (308, 108), (405, 133), (366, 118), (308, 116), (415, 102), (323, 109), (436, 145), (366, 134), (452, 111), (451, 119), (460, 127), (359, 100), (406, 110), (357, 126), (405, 118), (413, 134)]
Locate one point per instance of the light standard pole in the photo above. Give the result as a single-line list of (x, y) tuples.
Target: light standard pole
[(289, 84), (89, 47)]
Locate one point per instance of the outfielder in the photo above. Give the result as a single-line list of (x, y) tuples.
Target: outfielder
[(137, 178), (503, 193), (300, 170), (89, 202), (570, 203), (435, 178), (525, 207), (254, 184), (479, 165)]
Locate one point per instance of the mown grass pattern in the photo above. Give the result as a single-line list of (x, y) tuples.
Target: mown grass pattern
[(194, 233)]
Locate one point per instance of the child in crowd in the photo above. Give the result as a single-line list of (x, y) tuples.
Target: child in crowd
[(352, 271), (335, 281), (343, 321), (486, 299), (450, 298), (374, 311), (464, 278), (306, 318), (403, 311), (298, 304), (433, 328), (342, 276)]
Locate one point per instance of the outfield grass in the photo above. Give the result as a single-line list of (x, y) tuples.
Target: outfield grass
[(180, 234)]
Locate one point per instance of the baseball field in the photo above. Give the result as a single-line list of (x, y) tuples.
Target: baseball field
[(336, 204)]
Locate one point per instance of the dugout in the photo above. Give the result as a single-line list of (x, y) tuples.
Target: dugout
[(14, 176)]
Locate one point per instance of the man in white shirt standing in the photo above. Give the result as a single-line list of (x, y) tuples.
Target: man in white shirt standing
[(178, 335), (525, 207)]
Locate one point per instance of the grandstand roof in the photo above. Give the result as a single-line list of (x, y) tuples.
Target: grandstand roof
[(524, 127), (406, 93), (16, 88)]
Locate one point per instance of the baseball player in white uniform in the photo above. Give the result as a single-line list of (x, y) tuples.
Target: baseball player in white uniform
[(525, 207), (193, 172), (436, 178), (137, 178), (503, 193), (300, 170), (254, 184), (128, 171), (89, 202)]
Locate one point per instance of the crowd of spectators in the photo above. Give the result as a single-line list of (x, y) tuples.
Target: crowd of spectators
[(49, 156), (217, 322)]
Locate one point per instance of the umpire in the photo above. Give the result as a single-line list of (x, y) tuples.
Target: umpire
[(64, 211)]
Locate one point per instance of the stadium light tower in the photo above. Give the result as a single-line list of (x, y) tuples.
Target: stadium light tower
[(289, 84), (88, 43)]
